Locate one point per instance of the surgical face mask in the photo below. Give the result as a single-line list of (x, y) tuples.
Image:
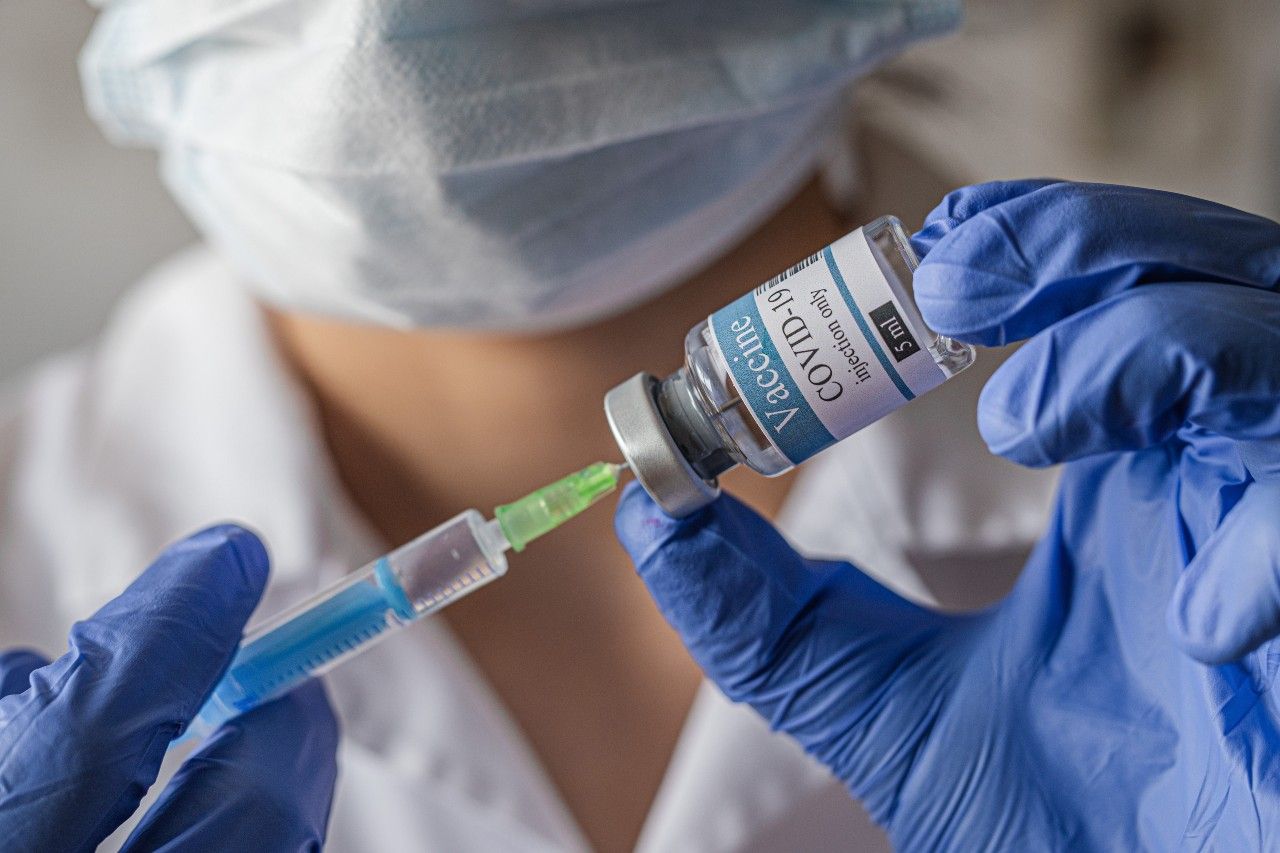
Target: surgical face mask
[(482, 163)]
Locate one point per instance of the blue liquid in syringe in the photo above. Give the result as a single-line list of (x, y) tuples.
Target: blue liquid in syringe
[(291, 653), (443, 564)]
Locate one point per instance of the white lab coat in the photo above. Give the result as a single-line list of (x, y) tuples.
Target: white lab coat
[(182, 415)]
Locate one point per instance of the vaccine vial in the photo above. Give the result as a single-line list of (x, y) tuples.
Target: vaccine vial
[(808, 358)]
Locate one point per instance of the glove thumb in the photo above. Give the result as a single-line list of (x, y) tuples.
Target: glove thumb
[(1227, 601)]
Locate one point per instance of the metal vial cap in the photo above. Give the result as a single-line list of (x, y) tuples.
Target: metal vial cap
[(645, 441)]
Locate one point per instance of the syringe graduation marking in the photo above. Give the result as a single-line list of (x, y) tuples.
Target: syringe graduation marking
[(474, 576), (310, 640)]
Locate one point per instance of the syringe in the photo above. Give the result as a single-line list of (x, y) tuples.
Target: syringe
[(393, 591)]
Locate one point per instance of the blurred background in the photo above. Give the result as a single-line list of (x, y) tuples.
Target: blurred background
[(1178, 94), (80, 220)]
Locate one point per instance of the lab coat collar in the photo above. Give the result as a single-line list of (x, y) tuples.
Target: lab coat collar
[(182, 417), (765, 794)]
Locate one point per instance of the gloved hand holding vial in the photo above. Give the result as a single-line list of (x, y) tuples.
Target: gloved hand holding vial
[(1122, 696)]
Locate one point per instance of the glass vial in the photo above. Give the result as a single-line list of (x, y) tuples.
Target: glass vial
[(811, 356)]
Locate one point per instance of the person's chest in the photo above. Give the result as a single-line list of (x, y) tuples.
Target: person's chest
[(432, 759), (589, 670)]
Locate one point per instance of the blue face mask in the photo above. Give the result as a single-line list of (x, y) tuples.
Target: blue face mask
[(483, 163)]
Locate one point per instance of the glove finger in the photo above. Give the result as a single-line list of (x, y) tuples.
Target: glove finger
[(1227, 601), (1131, 372), (811, 646), (263, 781), (1262, 458), (79, 749), (965, 203), (16, 667), (1020, 266)]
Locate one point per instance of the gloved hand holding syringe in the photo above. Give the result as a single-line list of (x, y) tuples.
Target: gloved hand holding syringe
[(393, 591)]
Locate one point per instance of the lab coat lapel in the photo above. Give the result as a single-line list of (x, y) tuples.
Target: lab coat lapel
[(445, 766), (733, 785), (179, 418)]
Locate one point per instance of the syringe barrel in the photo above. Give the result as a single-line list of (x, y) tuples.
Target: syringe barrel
[(449, 561), (343, 620)]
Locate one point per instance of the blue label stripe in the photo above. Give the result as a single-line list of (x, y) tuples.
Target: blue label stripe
[(804, 434), (862, 324)]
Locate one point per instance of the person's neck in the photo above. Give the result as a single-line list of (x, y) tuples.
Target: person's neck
[(422, 424)]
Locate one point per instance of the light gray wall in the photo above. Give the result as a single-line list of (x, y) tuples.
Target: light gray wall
[(79, 219)]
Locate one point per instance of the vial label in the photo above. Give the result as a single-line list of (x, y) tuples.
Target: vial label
[(823, 349)]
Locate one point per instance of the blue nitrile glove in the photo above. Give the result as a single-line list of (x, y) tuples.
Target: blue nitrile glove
[(81, 739), (1067, 716), (1189, 367)]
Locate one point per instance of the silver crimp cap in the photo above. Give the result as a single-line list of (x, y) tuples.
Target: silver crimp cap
[(656, 461)]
